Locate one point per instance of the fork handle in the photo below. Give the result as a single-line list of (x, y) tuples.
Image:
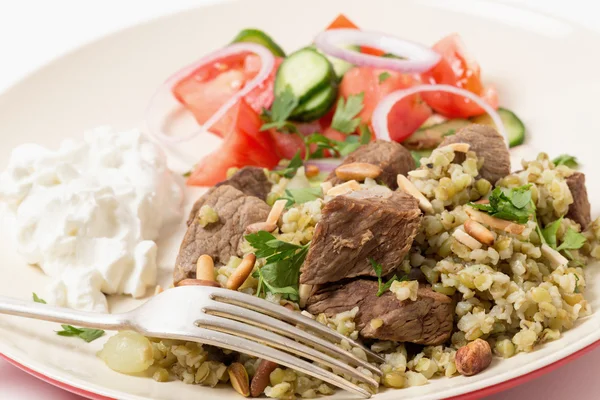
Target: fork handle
[(46, 312)]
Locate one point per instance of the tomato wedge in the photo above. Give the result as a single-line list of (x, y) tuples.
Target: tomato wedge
[(342, 22), (405, 117), (457, 68), (210, 86), (243, 144)]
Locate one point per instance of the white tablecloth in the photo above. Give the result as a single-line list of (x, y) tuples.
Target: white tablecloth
[(33, 32)]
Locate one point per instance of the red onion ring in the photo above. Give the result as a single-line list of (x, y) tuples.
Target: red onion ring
[(325, 165), (267, 63), (380, 115), (421, 58)]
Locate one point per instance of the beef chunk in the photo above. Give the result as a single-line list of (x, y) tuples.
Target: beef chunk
[(580, 210), (357, 227), (391, 157), (428, 320), (486, 142), (221, 239), (252, 181)]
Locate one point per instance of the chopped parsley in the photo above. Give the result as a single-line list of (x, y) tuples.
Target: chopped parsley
[(345, 119), (449, 132), (572, 240), (303, 195), (87, 334), (383, 76), (383, 287), (365, 134), (292, 167), (187, 174), (565, 159), (509, 204), (283, 105), (281, 272), (38, 299), (549, 233)]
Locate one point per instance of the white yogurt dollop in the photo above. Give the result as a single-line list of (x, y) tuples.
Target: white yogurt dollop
[(88, 213)]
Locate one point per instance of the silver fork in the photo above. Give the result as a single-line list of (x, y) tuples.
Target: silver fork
[(231, 320)]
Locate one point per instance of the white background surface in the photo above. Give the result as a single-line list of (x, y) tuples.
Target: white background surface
[(34, 32)]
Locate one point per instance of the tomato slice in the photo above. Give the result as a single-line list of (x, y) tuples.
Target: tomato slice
[(243, 145), (342, 22), (207, 88), (405, 117), (457, 68)]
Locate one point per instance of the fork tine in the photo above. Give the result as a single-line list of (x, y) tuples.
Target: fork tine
[(271, 339), (242, 345), (266, 322), (276, 311)]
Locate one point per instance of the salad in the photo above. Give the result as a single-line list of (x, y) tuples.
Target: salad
[(346, 88)]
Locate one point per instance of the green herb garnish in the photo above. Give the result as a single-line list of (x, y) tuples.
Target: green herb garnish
[(187, 174), (572, 240), (383, 287), (303, 195), (549, 233), (87, 334), (345, 119), (565, 159), (292, 167), (38, 299), (449, 132), (281, 272), (509, 204), (283, 105), (383, 76), (365, 134)]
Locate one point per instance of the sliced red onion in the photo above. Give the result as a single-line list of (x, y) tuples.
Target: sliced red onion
[(325, 164), (380, 115), (153, 110), (419, 58)]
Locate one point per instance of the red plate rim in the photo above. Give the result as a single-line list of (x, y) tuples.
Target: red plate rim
[(477, 394)]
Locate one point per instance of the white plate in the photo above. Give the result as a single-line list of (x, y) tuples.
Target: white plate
[(536, 61)]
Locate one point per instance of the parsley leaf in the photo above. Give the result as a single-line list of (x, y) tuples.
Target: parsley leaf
[(383, 287), (365, 134), (38, 299), (87, 334), (285, 102), (449, 132), (301, 195), (509, 204), (345, 118), (383, 76), (337, 147), (292, 167), (549, 233), (281, 272), (565, 159), (572, 240), (187, 174)]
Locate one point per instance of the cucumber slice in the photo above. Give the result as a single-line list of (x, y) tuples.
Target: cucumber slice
[(432, 136), (342, 66), (514, 126), (306, 72), (258, 36), (316, 106)]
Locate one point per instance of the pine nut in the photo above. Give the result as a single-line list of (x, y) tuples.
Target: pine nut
[(344, 188), (311, 170), (467, 240), (479, 232), (494, 222), (261, 378), (197, 282), (357, 171), (326, 187), (205, 268), (410, 188), (304, 293), (260, 226), (459, 147), (276, 211), (238, 376), (241, 273), (554, 256)]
